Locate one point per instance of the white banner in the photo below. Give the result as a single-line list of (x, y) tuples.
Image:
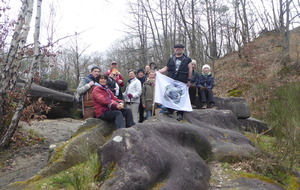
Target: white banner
[(172, 93)]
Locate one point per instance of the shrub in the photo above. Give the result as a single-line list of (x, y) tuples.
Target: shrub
[(284, 117)]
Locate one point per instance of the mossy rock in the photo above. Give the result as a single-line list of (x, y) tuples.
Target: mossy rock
[(235, 93)]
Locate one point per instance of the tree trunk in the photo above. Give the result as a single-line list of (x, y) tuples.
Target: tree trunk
[(28, 5)]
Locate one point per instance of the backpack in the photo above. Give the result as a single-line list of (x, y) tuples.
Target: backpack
[(88, 102), (87, 98)]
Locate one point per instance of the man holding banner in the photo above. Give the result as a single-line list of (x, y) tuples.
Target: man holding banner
[(173, 92)]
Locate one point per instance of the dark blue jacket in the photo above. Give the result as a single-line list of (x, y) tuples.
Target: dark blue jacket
[(183, 71), (206, 81)]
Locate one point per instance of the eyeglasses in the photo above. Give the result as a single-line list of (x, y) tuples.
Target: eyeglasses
[(115, 75)]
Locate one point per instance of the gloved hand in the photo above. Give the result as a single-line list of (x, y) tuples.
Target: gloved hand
[(130, 96)]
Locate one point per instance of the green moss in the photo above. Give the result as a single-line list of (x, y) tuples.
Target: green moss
[(83, 129), (260, 177), (264, 142), (108, 173), (292, 183), (58, 153), (78, 177), (25, 184), (158, 185), (235, 93)]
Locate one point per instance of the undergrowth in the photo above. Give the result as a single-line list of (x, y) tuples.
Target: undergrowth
[(78, 177), (279, 159)]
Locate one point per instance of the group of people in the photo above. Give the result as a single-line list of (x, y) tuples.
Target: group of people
[(111, 103)]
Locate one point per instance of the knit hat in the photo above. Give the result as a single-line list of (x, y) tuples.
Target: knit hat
[(205, 66)]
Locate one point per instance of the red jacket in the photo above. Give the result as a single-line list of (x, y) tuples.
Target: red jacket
[(104, 100)]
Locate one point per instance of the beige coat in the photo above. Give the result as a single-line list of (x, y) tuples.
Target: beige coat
[(148, 94)]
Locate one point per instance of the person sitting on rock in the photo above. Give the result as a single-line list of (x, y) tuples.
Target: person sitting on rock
[(84, 92), (205, 85), (108, 107)]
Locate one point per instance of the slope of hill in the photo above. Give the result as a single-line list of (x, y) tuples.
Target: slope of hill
[(261, 69)]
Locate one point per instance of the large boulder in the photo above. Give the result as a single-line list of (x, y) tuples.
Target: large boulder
[(90, 135), (255, 126), (153, 154), (47, 93), (224, 131), (55, 85), (61, 103), (159, 151), (237, 105)]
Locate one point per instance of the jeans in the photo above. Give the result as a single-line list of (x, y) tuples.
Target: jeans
[(163, 109), (148, 114), (117, 117)]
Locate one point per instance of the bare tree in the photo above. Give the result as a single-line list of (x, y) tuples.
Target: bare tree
[(10, 70)]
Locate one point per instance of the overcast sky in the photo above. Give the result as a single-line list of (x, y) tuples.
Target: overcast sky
[(102, 20)]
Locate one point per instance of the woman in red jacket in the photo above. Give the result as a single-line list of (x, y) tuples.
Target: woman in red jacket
[(108, 107)]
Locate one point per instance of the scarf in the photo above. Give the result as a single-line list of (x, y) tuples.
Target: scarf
[(204, 74), (106, 89)]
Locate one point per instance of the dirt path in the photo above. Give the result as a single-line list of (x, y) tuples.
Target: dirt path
[(27, 161)]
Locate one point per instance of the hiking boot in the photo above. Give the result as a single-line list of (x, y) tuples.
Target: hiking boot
[(208, 105), (204, 105), (212, 105), (179, 117)]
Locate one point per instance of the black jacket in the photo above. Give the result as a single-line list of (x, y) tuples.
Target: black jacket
[(183, 71)]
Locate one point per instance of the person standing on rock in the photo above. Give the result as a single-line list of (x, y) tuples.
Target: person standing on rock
[(132, 94), (113, 85), (148, 94), (179, 67), (108, 107), (142, 78), (119, 79), (84, 92)]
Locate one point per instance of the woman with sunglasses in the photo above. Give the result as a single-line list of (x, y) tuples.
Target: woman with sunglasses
[(113, 85)]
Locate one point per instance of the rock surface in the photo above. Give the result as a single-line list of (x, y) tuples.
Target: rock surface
[(160, 150)]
